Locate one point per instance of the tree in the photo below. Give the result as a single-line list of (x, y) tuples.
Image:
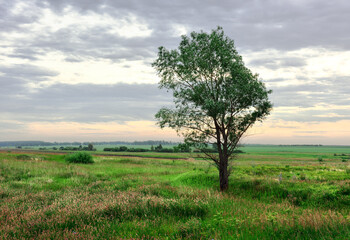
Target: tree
[(217, 99), (123, 148), (158, 148), (90, 147), (182, 147)]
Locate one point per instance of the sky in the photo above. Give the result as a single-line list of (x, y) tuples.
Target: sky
[(80, 70)]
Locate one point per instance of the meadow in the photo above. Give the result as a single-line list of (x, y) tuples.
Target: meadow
[(276, 192)]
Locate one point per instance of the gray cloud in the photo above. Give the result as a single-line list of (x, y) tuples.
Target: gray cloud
[(73, 59), (26, 53), (27, 72), (275, 63), (9, 127), (11, 22), (94, 42), (123, 102), (89, 103), (254, 25), (15, 81), (80, 102), (313, 92), (311, 115)]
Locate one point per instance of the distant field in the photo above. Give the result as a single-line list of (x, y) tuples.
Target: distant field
[(275, 192), (297, 149)]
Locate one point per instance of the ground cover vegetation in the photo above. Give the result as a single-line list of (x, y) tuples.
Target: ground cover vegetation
[(281, 193)]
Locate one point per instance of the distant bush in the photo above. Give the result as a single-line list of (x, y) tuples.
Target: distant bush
[(108, 149), (90, 147), (182, 147), (158, 148), (123, 148), (23, 157), (79, 157), (238, 151), (137, 150), (80, 148), (166, 150), (68, 148), (116, 149)]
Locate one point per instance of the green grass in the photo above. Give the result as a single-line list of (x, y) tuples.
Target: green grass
[(43, 197), (296, 149)]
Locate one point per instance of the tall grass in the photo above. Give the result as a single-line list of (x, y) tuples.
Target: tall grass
[(43, 197)]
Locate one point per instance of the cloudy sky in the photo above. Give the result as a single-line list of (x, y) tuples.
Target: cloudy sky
[(80, 70)]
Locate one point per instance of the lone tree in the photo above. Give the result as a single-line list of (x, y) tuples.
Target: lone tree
[(217, 99)]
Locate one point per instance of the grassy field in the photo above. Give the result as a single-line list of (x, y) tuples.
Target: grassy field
[(275, 193)]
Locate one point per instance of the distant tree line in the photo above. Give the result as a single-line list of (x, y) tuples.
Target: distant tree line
[(148, 142), (89, 147), (181, 147), (24, 143), (44, 144)]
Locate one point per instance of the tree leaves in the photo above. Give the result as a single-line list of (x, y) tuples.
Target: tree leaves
[(216, 97)]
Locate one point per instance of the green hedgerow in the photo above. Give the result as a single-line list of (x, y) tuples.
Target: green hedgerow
[(79, 157)]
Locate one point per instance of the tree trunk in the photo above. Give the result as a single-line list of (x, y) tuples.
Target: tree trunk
[(223, 157), (223, 173)]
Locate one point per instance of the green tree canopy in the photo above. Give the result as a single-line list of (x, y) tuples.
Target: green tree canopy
[(217, 99)]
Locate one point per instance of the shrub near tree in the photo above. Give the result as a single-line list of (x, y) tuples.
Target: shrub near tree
[(217, 99)]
